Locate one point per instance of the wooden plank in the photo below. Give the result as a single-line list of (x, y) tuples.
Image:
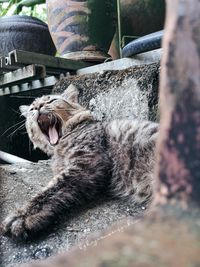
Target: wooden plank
[(22, 75), (25, 58), (45, 83)]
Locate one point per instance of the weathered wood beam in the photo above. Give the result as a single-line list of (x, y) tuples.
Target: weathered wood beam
[(178, 167)]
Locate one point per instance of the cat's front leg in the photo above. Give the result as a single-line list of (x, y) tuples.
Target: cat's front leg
[(62, 192), (27, 220)]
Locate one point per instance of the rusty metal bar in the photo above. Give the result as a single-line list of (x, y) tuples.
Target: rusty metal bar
[(54, 65), (29, 73), (178, 167), (12, 159), (4, 67)]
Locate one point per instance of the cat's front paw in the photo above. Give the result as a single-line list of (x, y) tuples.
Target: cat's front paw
[(14, 226)]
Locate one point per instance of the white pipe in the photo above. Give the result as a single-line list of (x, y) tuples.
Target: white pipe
[(9, 158)]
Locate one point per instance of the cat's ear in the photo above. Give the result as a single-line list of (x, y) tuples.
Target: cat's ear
[(24, 110), (71, 94)]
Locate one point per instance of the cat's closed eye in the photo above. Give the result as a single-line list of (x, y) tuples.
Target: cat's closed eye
[(50, 101), (33, 108)]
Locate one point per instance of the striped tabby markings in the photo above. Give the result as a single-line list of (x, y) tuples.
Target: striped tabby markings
[(67, 9), (65, 4), (77, 5), (54, 181), (69, 21), (64, 35), (73, 39), (78, 0), (59, 13), (64, 18)]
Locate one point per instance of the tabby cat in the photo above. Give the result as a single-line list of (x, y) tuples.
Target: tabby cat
[(89, 158)]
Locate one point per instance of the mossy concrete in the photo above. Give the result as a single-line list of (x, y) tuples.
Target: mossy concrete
[(128, 93)]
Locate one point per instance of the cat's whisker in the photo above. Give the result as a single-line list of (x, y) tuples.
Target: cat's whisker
[(21, 122), (61, 119), (19, 128), (24, 132), (18, 112), (59, 109), (12, 134), (56, 116)]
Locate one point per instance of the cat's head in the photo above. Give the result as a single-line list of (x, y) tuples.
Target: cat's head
[(49, 116)]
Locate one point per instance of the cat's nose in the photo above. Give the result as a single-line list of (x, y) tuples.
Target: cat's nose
[(42, 110)]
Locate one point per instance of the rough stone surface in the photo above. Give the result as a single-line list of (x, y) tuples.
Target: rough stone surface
[(128, 93), (21, 182)]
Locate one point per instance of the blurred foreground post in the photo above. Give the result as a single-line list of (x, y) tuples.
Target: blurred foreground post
[(178, 165)]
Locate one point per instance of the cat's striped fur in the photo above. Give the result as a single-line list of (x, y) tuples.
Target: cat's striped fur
[(89, 158)]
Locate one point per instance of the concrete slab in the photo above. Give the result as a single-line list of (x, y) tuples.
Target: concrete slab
[(114, 94), (124, 63), (21, 182)]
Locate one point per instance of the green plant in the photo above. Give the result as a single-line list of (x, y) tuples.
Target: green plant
[(27, 3), (28, 7)]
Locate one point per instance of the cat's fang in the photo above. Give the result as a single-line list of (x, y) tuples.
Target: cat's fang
[(50, 127)]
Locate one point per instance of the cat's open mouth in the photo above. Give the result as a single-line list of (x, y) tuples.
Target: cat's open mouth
[(51, 127)]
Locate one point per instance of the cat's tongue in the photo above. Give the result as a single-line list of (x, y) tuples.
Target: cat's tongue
[(53, 135)]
